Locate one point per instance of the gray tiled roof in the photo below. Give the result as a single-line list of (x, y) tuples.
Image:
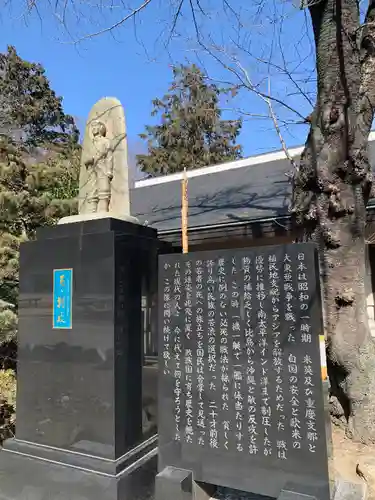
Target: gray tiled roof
[(241, 194)]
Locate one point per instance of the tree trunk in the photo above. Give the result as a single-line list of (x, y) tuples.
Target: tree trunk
[(331, 189)]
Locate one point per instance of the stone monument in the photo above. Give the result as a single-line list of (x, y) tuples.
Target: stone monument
[(243, 381), (104, 172), (80, 431)]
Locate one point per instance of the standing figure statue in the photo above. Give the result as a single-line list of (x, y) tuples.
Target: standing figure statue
[(104, 172), (101, 166)]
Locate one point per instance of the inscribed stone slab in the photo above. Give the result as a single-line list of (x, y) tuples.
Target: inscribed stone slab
[(241, 398)]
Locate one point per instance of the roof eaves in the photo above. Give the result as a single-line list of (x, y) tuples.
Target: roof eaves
[(244, 222), (244, 162)]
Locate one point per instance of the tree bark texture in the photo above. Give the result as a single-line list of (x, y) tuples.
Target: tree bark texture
[(330, 191)]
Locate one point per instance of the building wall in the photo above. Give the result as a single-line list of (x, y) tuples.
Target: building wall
[(240, 243)]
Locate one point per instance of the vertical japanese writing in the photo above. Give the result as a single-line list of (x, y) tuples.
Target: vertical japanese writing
[(237, 350), (277, 356), (242, 356), (62, 298), (310, 406), (306, 340), (188, 352), (211, 349), (223, 349), (188, 287), (200, 345), (303, 297), (295, 421), (200, 354), (167, 298), (252, 423), (289, 313), (262, 320), (290, 318), (177, 347)]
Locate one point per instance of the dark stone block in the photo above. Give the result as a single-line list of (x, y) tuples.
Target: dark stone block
[(95, 463), (174, 484), (178, 484), (96, 226), (242, 392), (25, 477), (73, 385), (292, 495), (295, 492), (85, 397)]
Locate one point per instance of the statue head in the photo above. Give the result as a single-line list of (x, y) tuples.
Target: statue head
[(98, 129)]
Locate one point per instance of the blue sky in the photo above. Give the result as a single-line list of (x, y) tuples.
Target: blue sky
[(134, 66)]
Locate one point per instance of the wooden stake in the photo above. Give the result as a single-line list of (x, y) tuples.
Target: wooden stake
[(184, 213)]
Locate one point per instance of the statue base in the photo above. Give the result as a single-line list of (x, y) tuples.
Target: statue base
[(97, 215), (83, 389)]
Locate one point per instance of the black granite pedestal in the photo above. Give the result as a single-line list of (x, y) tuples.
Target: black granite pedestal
[(79, 431)]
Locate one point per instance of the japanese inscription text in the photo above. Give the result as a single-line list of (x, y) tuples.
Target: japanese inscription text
[(62, 298), (242, 329)]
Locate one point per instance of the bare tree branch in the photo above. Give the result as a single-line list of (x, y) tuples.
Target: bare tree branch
[(115, 25), (175, 20), (278, 131), (226, 35)]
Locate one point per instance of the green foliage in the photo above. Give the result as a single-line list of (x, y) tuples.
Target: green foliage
[(191, 133), (7, 404), (9, 245), (31, 195), (30, 111), (39, 169), (8, 386)]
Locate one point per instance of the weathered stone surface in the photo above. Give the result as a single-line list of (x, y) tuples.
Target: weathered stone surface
[(98, 215), (110, 112), (347, 490), (104, 174)]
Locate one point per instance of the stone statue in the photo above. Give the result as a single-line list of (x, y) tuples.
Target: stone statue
[(102, 165), (103, 180)]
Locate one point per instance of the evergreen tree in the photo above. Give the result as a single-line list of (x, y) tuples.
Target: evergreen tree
[(30, 111), (39, 165), (39, 169), (31, 195), (192, 133)]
